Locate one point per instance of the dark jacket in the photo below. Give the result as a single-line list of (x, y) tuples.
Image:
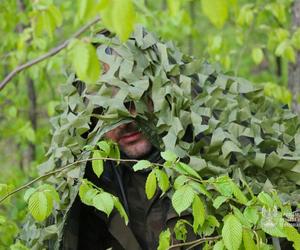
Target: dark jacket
[(89, 229)]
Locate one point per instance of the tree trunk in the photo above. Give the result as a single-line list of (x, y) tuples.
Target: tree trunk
[(31, 93), (32, 116), (294, 68)]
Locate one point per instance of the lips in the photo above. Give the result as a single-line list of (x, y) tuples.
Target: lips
[(130, 137)]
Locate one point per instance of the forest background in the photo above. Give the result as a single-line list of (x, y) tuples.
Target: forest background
[(257, 40)]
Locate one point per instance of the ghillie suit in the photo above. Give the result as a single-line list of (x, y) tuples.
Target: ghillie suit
[(233, 128)]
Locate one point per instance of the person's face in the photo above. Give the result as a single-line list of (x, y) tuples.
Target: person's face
[(130, 140)]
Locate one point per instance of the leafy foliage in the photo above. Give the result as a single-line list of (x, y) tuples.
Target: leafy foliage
[(242, 132)]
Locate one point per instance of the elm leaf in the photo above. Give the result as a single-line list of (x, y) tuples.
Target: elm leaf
[(38, 206), (248, 241), (121, 210), (168, 156), (97, 165), (232, 232), (162, 179), (151, 185), (183, 198), (164, 240), (198, 213), (142, 164), (104, 202)]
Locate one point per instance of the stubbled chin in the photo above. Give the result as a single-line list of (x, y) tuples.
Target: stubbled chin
[(137, 149)]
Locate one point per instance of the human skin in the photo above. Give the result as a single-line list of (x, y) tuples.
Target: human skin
[(130, 140)]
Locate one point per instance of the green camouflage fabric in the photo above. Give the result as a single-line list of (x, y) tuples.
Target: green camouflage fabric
[(235, 129)]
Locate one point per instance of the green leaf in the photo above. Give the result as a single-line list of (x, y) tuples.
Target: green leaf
[(265, 199), (38, 206), (180, 181), (281, 48), (293, 235), (28, 193), (142, 164), (107, 15), (87, 193), (273, 229), (123, 18), (104, 202), (219, 245), (187, 170), (216, 11), (85, 9), (121, 210), (97, 165), (85, 61), (115, 153), (50, 191), (232, 232), (245, 15), (48, 22), (94, 67), (257, 55), (251, 214), (239, 195), (80, 57), (182, 198), (198, 213), (18, 246), (180, 230), (168, 156), (248, 241), (241, 217), (224, 185), (150, 187), (290, 54), (164, 240), (162, 179), (219, 201), (104, 146), (56, 15)]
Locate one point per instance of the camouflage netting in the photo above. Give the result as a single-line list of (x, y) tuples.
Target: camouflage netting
[(236, 130)]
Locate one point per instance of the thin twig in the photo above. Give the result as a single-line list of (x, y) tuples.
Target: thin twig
[(64, 168), (195, 242), (50, 53)]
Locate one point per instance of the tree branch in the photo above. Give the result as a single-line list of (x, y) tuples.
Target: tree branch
[(195, 242), (64, 168), (50, 53)]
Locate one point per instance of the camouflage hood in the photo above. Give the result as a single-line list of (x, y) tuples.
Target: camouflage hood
[(236, 130)]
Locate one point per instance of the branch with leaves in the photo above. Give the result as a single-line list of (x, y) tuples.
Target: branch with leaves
[(47, 55), (243, 214)]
